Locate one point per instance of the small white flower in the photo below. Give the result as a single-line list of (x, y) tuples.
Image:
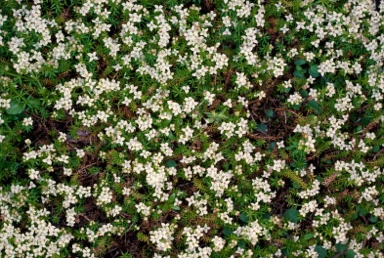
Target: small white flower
[(284, 29), (80, 153), (27, 121), (92, 57), (280, 144)]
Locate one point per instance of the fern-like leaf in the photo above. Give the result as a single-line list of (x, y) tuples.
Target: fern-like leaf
[(295, 178)]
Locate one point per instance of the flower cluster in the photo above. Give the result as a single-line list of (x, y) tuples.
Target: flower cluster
[(191, 128)]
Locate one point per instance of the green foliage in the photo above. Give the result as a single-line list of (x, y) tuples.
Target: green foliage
[(16, 108), (322, 252), (295, 178), (193, 114), (292, 215)]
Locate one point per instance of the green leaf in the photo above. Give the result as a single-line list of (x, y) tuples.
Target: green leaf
[(373, 219), (350, 254), (244, 217), (292, 215), (304, 93), (272, 146), (176, 208), (227, 231), (34, 103), (262, 128), (298, 74), (296, 106), (300, 62), (340, 247), (314, 71), (241, 243), (376, 148), (308, 236), (171, 136), (172, 197), (269, 113), (321, 251), (366, 120), (362, 212), (267, 216), (313, 104), (355, 215), (222, 115), (15, 108), (170, 164), (300, 69)]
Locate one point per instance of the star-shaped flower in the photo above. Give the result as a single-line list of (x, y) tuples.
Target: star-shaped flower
[(92, 56)]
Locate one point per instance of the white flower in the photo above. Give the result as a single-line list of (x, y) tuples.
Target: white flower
[(27, 121), (295, 98), (67, 171), (284, 29), (162, 236), (33, 174), (218, 243), (278, 165), (92, 56), (80, 153), (126, 191)]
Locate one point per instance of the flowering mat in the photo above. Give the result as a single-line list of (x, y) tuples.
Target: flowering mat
[(176, 128)]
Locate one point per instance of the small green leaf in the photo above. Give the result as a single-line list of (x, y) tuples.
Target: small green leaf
[(340, 247), (269, 113), (314, 71), (363, 212), (262, 128), (297, 74), (308, 236), (366, 120), (296, 106), (15, 108), (300, 69), (304, 93), (350, 253), (34, 103), (292, 215), (313, 104), (355, 215), (176, 208), (170, 164), (244, 217), (241, 243), (227, 231), (300, 62), (321, 251), (222, 115), (171, 136), (376, 148), (285, 251), (172, 197), (267, 216), (373, 219)]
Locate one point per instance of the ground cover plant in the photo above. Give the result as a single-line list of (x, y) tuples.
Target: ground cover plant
[(164, 128)]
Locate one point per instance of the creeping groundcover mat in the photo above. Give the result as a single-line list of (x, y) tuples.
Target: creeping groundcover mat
[(191, 128)]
